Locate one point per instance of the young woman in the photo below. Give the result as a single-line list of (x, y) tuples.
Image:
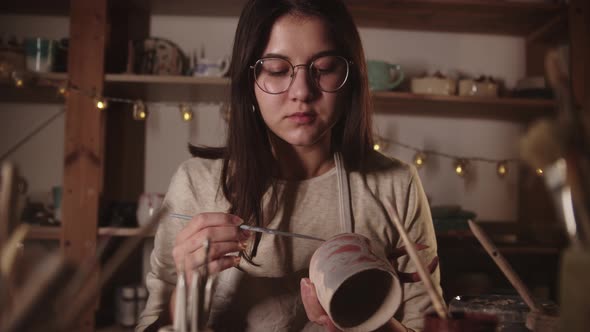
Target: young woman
[(298, 158)]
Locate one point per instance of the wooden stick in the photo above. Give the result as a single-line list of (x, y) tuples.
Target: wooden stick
[(437, 301), (180, 306), (8, 198), (10, 250), (503, 264)]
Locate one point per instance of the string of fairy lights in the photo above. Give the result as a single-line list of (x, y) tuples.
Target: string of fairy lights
[(139, 108), (461, 164)]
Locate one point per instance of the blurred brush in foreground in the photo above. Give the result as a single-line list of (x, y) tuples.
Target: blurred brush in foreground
[(561, 147)]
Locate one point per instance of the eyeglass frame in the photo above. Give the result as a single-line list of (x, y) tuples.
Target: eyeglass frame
[(309, 69)]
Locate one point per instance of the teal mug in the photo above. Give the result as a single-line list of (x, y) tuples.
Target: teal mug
[(384, 75), (40, 54)]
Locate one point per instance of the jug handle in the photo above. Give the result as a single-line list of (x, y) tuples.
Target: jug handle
[(224, 64), (400, 77)]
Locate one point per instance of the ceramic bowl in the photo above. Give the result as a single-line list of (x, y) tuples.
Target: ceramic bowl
[(434, 85), (470, 87)]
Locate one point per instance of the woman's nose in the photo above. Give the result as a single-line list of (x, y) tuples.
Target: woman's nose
[(302, 87)]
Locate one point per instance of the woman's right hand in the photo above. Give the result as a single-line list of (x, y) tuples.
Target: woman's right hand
[(224, 237)]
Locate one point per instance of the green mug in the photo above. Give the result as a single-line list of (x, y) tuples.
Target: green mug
[(384, 75)]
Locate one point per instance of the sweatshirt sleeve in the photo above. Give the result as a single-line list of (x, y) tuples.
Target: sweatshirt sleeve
[(161, 279), (417, 220)]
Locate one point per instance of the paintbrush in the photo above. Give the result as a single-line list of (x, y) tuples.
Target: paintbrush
[(437, 301), (559, 147), (504, 266), (257, 229), (537, 314)]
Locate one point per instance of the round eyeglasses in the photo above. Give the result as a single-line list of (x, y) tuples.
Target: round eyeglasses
[(275, 75)]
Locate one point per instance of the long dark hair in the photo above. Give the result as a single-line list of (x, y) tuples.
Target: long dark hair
[(248, 162)]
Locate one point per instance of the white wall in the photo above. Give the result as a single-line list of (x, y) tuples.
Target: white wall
[(502, 57)]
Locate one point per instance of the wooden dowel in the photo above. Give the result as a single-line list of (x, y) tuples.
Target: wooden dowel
[(180, 306), (503, 264), (437, 301)]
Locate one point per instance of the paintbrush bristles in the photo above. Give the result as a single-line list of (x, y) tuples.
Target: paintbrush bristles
[(539, 147)]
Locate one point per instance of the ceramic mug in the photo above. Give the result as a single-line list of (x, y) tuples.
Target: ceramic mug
[(359, 290), (147, 206), (57, 194), (40, 54), (384, 75), (212, 67)]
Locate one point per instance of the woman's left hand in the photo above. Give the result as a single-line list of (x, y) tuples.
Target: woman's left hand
[(313, 308)]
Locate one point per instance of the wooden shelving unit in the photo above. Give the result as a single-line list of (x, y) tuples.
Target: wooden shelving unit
[(536, 22)]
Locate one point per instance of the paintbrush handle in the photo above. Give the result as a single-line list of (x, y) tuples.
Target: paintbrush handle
[(258, 229), (437, 301), (498, 258), (280, 233)]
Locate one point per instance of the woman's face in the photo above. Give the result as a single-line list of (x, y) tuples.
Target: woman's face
[(303, 115)]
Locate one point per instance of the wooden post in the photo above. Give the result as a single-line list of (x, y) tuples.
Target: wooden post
[(579, 29), (84, 136)]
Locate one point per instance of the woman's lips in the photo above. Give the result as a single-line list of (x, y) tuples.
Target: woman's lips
[(302, 117)]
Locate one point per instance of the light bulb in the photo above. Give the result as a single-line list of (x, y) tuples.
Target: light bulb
[(62, 90), (461, 166), (419, 159), (539, 171), (186, 112), (101, 103), (18, 78), (502, 169), (376, 147), (140, 112)]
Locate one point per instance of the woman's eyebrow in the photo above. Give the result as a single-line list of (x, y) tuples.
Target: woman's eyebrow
[(315, 56)]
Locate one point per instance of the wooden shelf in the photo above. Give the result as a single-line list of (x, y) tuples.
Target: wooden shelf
[(44, 233), (155, 88), (493, 17), (161, 88), (511, 109), (489, 17), (39, 88), (54, 232), (120, 231), (465, 241)]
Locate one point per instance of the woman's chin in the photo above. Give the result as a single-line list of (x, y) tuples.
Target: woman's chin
[(304, 141)]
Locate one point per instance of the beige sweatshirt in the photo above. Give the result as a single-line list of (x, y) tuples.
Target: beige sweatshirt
[(266, 297)]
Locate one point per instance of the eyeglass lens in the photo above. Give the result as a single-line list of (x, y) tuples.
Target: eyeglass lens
[(274, 75)]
